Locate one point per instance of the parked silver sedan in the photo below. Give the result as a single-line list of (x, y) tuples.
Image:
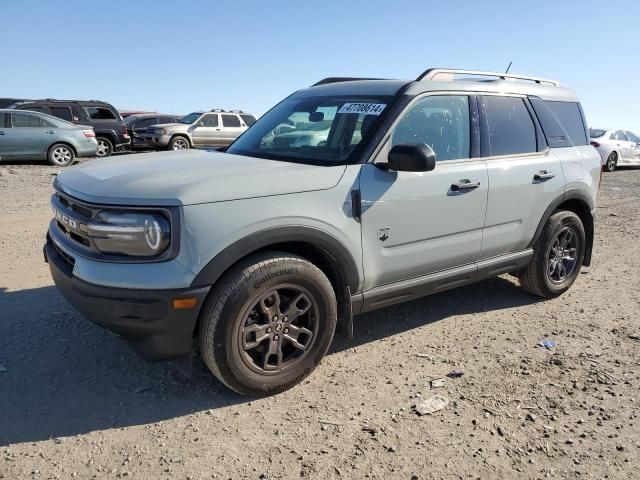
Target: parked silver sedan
[(616, 147), (28, 135)]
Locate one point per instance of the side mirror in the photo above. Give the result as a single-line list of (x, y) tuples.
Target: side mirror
[(411, 157), (200, 124)]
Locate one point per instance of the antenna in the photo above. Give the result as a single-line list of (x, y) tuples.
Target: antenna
[(509, 67)]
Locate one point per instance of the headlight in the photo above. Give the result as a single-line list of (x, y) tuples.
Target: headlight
[(160, 131), (136, 234)]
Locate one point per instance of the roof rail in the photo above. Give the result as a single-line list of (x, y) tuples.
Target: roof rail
[(327, 80), (448, 74), (236, 111), (218, 110)]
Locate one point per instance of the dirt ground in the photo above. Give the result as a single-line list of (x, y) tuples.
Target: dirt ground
[(75, 402)]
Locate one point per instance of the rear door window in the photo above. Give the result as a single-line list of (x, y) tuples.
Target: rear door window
[(619, 135), (25, 120), (4, 120), (145, 122), (62, 112), (510, 126), (230, 121), (100, 113)]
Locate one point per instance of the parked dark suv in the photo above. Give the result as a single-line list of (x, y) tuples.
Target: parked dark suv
[(138, 124), (111, 133)]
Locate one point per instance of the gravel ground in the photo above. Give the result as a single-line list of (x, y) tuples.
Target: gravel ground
[(76, 402)]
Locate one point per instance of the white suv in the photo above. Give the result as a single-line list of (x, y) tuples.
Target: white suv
[(216, 128)]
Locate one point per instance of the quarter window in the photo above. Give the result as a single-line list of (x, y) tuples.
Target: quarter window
[(100, 113), (209, 121), (511, 129), (442, 122), (230, 121), (248, 120), (62, 112), (24, 120), (631, 137)]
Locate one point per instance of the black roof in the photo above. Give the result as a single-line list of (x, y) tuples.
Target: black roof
[(83, 103)]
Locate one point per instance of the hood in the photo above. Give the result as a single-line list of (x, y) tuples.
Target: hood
[(190, 176)]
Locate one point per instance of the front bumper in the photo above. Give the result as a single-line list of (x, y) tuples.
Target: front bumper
[(146, 319)]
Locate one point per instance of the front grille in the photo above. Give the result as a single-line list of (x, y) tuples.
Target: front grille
[(73, 218)]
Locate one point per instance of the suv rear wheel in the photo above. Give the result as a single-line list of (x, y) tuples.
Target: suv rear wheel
[(105, 147), (179, 143), (611, 163), (558, 256), (60, 155), (269, 324)]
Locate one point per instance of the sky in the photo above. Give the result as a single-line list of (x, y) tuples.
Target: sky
[(178, 57)]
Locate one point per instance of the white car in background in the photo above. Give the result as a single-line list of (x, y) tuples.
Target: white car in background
[(616, 147)]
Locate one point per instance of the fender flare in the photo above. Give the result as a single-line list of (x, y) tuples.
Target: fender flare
[(572, 194), (344, 261)]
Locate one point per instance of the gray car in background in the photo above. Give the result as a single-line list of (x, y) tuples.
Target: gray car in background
[(28, 135)]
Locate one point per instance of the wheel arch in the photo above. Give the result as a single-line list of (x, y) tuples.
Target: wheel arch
[(183, 135), (308, 242), (580, 203), (63, 142), (315, 245)]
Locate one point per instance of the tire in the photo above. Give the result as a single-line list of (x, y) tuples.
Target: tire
[(242, 344), (611, 163), (105, 147), (551, 272), (60, 155), (179, 142)]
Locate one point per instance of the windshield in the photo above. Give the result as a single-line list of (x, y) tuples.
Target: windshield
[(189, 119), (596, 132), (324, 130)]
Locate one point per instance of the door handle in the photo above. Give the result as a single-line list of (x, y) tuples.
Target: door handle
[(217, 129), (543, 175), (50, 132), (465, 184), (1, 132)]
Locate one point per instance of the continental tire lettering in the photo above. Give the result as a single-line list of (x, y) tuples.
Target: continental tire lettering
[(285, 271)]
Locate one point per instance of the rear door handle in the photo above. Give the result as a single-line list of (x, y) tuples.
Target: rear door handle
[(50, 132), (465, 184), (1, 132), (543, 175)]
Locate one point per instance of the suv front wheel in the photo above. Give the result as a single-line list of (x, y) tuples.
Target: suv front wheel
[(179, 143), (558, 256), (268, 324)]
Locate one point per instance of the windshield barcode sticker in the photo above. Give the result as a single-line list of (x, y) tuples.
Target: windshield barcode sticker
[(364, 108)]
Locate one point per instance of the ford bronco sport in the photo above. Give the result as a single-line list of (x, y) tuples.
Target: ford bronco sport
[(263, 252)]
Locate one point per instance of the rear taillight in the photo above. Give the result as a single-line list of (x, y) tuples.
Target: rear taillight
[(89, 133), (595, 144), (125, 130)]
